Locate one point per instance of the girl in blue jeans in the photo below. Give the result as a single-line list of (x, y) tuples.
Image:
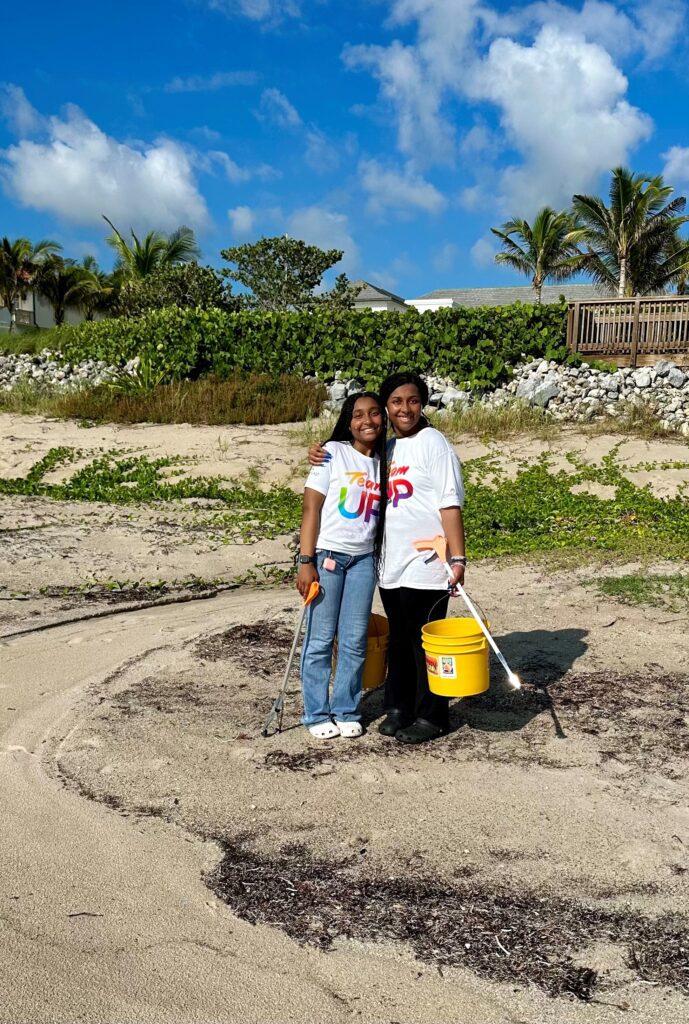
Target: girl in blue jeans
[(341, 539)]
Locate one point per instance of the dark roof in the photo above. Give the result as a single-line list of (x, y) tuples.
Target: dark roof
[(523, 293), (370, 292)]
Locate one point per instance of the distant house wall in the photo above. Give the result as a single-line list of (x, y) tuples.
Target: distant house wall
[(40, 312), (424, 305), (382, 306)]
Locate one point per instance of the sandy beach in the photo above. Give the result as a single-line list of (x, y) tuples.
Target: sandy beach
[(527, 868)]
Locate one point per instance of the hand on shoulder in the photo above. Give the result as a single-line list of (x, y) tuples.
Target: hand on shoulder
[(318, 454)]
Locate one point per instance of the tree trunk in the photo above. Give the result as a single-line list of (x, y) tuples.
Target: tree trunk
[(13, 316), (622, 286)]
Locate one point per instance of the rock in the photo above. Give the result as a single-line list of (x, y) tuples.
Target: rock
[(663, 367), (642, 378), (354, 385), (338, 392), (545, 392), (675, 377), (453, 395), (543, 367), (527, 388)]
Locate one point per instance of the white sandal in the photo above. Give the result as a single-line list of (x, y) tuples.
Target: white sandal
[(324, 730), (350, 730)]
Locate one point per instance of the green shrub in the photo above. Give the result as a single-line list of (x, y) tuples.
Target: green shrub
[(472, 346)]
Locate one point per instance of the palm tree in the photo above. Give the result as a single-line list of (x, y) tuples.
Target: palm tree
[(154, 251), (98, 289), (19, 261), (63, 283), (545, 251), (633, 244)]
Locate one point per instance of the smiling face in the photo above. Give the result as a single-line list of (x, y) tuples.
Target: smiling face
[(366, 423), (404, 409)]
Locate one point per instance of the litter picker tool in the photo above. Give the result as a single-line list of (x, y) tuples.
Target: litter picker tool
[(439, 546), (279, 702)]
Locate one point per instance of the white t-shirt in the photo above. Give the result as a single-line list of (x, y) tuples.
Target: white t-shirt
[(424, 476), (350, 482)]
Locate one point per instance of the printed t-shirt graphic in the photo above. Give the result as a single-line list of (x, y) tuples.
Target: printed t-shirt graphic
[(424, 476), (350, 482)]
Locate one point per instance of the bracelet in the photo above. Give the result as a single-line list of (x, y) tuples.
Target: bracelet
[(458, 560)]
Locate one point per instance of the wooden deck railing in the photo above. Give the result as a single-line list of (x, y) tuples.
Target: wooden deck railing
[(631, 332)]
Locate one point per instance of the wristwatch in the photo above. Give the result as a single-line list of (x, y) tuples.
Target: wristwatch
[(307, 559), (458, 560)]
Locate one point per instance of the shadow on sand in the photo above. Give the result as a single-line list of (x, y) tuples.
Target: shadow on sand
[(541, 657)]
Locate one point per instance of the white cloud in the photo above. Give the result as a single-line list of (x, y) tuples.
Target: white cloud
[(423, 134), (405, 191), (277, 109), (676, 167), (327, 229), (483, 251), (233, 171), (474, 197), (321, 154), (562, 107), (258, 10), (445, 257), (16, 110), (660, 25), (560, 96), (211, 83), (80, 173), (242, 220), (648, 28), (206, 134)]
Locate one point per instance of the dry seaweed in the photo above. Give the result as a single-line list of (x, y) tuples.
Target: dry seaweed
[(262, 645), (506, 936)]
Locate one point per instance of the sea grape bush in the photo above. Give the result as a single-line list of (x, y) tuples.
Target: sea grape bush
[(474, 347)]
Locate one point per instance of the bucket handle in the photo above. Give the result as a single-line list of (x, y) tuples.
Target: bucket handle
[(480, 608)]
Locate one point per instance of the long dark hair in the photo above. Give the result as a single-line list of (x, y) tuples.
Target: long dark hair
[(398, 380), (342, 431)]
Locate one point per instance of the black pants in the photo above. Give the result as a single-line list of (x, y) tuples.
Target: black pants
[(406, 687)]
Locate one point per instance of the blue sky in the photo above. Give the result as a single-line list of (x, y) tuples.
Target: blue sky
[(397, 130)]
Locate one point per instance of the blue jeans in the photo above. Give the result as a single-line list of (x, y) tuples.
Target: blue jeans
[(341, 609)]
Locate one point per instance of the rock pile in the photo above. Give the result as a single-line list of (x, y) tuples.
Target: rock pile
[(50, 370), (581, 393), (568, 393)]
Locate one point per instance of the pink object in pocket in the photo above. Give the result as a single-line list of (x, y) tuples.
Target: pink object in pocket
[(330, 564)]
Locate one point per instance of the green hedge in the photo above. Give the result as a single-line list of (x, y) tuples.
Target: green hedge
[(473, 346)]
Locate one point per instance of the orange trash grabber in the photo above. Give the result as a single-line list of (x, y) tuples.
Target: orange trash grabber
[(439, 545), (279, 702)]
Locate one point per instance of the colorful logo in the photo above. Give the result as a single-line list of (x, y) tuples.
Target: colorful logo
[(366, 497), (398, 488), (366, 493)]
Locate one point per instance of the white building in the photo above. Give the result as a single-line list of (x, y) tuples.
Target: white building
[(35, 311), (370, 296), (450, 298)]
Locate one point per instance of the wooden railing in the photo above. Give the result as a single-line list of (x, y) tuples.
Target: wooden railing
[(631, 332)]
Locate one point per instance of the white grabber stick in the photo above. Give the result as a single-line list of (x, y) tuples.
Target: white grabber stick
[(279, 702), (439, 545)]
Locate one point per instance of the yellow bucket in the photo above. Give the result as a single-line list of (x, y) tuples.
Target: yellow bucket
[(456, 657), (376, 663)]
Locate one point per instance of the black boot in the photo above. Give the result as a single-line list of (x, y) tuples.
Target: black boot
[(393, 721), (420, 732)]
